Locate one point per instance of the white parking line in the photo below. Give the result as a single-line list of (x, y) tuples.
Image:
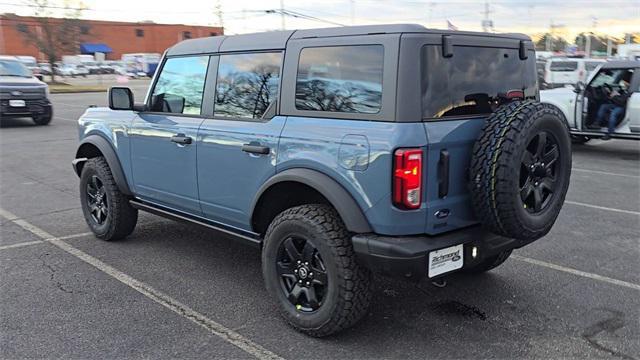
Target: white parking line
[(605, 173), (213, 327), (36, 242), (602, 207), (18, 245), (576, 272)]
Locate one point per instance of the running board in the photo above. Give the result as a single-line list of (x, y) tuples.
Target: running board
[(252, 237), (597, 135)]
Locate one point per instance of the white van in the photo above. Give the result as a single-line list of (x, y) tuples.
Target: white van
[(568, 71)]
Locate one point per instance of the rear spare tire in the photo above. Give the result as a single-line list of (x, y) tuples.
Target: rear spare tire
[(520, 170)]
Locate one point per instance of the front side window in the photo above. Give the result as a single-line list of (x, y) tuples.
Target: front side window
[(247, 84), (340, 79), (180, 86)]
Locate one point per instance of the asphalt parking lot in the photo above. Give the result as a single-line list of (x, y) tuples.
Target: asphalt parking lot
[(172, 290)]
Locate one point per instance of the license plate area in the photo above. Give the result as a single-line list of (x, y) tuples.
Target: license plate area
[(445, 260), (17, 103)]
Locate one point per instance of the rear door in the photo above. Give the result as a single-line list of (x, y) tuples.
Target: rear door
[(237, 147), (163, 139), (458, 93)]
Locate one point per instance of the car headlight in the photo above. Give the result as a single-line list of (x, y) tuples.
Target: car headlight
[(46, 91)]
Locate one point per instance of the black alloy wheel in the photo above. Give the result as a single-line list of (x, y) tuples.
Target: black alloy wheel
[(97, 202), (538, 172), (302, 273)]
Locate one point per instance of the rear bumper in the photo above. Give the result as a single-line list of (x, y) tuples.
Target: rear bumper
[(408, 256)]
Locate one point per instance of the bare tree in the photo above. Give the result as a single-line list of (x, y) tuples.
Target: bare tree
[(52, 36)]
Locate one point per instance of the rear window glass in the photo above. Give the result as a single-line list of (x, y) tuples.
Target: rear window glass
[(340, 79), (474, 80), (563, 66)]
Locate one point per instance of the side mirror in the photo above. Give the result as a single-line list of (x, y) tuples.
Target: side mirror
[(39, 77), (578, 87), (120, 98)]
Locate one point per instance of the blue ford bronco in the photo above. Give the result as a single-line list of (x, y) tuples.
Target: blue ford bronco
[(340, 152)]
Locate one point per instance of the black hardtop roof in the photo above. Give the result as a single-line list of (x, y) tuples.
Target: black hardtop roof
[(621, 64), (274, 40)]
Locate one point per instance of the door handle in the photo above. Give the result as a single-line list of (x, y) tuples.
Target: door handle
[(181, 139), (256, 149)]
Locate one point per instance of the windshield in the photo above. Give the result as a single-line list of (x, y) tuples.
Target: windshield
[(13, 68), (563, 66), (590, 66)]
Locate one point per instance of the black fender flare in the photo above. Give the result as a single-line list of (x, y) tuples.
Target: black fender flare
[(346, 206), (110, 156)]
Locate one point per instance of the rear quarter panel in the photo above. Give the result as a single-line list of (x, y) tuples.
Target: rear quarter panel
[(358, 155)]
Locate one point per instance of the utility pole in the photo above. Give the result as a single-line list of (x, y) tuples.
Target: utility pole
[(218, 11), (487, 24), (282, 15), (352, 11), (587, 47), (429, 16)]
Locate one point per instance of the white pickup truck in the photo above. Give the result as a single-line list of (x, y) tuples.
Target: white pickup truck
[(580, 104)]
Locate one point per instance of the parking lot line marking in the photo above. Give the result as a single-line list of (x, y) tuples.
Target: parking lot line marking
[(602, 207), (213, 327), (18, 245), (577, 272), (36, 242), (605, 173)]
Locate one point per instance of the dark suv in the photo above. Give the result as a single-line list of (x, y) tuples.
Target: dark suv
[(22, 94), (340, 152)]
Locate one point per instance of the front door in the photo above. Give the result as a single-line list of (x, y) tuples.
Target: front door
[(609, 89), (237, 148), (164, 139)]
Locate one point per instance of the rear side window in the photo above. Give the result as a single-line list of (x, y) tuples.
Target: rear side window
[(340, 79), (247, 84), (474, 80), (563, 66), (180, 86)]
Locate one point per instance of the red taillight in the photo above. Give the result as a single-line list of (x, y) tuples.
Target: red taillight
[(407, 178)]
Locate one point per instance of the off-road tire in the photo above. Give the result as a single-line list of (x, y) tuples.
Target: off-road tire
[(121, 217), (489, 263), (349, 290), (495, 169)]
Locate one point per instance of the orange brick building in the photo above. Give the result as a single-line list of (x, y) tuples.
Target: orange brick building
[(121, 37)]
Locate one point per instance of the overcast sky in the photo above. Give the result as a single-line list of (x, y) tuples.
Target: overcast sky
[(613, 17)]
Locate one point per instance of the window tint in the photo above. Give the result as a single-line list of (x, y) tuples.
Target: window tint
[(474, 80), (247, 84), (340, 79), (180, 85), (563, 66)]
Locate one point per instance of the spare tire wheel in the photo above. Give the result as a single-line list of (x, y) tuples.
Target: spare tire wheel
[(520, 170)]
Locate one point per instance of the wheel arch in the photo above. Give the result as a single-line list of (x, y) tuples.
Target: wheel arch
[(94, 146), (563, 112), (300, 186)]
